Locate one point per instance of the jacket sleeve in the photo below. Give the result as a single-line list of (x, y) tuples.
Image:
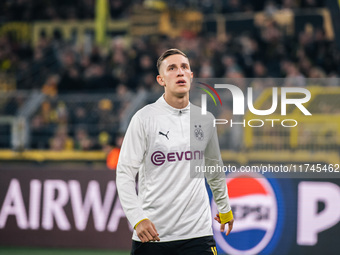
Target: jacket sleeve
[(130, 159), (216, 179)]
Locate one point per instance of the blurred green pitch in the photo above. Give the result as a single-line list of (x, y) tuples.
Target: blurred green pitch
[(51, 251)]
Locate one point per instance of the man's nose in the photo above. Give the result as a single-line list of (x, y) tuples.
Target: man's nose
[(180, 72)]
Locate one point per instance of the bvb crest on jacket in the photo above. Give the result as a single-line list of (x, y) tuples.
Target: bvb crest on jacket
[(199, 134)]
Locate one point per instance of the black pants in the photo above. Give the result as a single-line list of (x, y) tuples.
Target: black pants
[(197, 246)]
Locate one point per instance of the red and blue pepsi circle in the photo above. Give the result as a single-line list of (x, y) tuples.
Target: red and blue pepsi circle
[(255, 210)]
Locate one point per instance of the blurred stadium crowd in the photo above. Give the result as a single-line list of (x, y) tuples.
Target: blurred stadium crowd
[(58, 67), (30, 10)]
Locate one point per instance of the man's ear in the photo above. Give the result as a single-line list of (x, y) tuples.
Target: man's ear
[(160, 80)]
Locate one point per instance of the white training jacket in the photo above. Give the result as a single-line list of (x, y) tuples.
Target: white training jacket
[(165, 145)]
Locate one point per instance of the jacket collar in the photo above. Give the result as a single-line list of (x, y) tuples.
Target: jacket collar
[(171, 109)]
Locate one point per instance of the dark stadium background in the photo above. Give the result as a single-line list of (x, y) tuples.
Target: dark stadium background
[(72, 74)]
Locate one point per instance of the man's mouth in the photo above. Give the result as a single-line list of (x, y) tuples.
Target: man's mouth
[(181, 82)]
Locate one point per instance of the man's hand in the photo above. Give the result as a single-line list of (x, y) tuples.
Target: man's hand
[(230, 224), (146, 231)]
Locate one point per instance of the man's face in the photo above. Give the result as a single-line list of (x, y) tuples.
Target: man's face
[(175, 75)]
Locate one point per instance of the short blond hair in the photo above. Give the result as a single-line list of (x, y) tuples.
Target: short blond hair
[(168, 53)]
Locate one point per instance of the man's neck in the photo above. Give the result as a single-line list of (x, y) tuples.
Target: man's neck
[(177, 102)]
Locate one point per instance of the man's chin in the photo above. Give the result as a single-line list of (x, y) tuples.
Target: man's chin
[(182, 93)]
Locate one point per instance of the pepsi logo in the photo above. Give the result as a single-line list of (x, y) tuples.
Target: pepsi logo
[(254, 206)]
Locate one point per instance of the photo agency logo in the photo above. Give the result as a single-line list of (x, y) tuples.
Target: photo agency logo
[(240, 102)]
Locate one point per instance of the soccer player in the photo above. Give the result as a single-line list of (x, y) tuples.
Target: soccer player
[(171, 213)]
